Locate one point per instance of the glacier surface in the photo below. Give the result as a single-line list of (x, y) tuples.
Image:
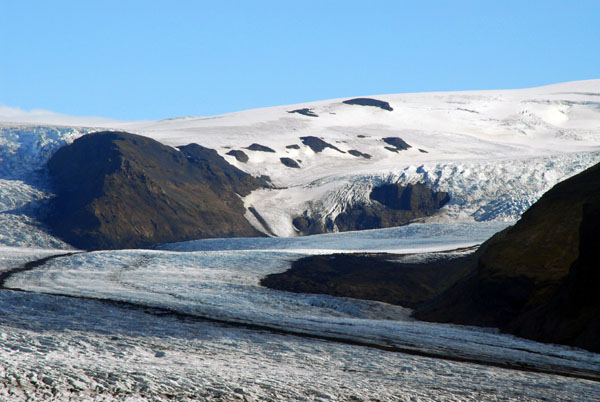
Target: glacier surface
[(189, 321)]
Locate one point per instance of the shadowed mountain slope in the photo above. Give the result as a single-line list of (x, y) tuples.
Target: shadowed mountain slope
[(539, 278)]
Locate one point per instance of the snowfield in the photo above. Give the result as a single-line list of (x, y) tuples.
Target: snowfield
[(189, 321)]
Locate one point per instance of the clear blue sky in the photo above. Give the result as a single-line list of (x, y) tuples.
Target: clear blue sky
[(148, 59)]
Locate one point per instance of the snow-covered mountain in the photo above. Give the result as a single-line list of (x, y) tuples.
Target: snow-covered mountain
[(495, 152)]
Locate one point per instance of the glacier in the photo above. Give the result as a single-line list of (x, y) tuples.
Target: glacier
[(189, 321)]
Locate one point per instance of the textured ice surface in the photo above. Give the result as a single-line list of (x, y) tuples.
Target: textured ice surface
[(223, 285), (402, 239), (53, 348)]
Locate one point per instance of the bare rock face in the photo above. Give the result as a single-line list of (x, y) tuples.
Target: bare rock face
[(119, 190), (261, 148), (357, 153), (317, 144), (305, 111), (397, 144), (239, 155), (394, 205), (369, 102), (539, 278), (289, 162), (412, 197)]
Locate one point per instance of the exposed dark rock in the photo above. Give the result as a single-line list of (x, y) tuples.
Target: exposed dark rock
[(289, 162), (423, 151), (293, 146), (412, 197), (120, 190), (354, 152), (261, 148), (381, 277), (365, 217), (394, 205), (317, 144), (538, 279), (361, 136), (397, 144), (305, 111), (301, 223), (239, 155), (369, 102), (310, 225)]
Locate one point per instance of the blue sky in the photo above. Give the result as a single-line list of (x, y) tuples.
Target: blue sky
[(150, 59)]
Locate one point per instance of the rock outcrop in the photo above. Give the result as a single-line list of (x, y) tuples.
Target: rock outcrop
[(357, 153), (395, 205), (119, 190), (397, 144), (305, 111), (392, 205), (289, 162), (317, 144), (369, 102), (239, 155), (261, 148)]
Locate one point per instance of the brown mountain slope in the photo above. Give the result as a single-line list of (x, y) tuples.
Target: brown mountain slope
[(539, 278), (120, 190)]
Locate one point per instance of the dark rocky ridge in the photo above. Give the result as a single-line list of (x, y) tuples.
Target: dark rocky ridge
[(289, 162), (412, 197), (397, 144), (317, 144), (305, 111), (120, 190), (357, 153), (239, 155), (261, 148), (394, 205), (369, 102), (538, 279)]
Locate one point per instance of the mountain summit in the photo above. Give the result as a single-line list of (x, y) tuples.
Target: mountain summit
[(120, 190)]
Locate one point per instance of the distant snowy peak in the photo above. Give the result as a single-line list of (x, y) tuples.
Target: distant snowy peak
[(46, 117)]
